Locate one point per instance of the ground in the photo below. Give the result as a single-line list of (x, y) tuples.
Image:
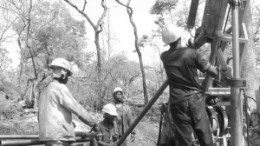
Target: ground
[(27, 124)]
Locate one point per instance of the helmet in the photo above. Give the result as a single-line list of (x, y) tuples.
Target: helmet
[(63, 63), (171, 33), (117, 89), (110, 109)]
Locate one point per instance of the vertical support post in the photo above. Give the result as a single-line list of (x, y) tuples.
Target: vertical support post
[(236, 102)]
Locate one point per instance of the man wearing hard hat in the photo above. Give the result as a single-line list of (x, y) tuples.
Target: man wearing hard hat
[(125, 118), (56, 106), (187, 103), (108, 127)]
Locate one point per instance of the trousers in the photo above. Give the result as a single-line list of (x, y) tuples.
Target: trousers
[(190, 116)]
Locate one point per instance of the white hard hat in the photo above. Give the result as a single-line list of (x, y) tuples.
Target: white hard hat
[(117, 89), (171, 33), (63, 63), (110, 109)]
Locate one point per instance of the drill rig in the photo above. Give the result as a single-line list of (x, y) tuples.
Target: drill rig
[(224, 100)]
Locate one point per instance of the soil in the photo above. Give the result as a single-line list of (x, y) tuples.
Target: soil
[(146, 131)]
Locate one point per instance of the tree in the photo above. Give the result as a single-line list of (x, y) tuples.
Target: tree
[(118, 71), (4, 60), (137, 47), (96, 27), (163, 6), (249, 58), (43, 37)]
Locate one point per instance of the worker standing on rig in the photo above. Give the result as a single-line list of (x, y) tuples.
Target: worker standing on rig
[(56, 107), (187, 101)]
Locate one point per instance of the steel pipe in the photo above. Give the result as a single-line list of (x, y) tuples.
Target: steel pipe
[(236, 102), (20, 142), (19, 137), (24, 142), (143, 112)]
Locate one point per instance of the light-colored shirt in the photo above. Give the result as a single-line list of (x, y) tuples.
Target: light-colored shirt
[(56, 106)]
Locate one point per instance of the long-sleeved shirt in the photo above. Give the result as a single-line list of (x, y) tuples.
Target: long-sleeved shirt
[(56, 106), (181, 66), (125, 119)]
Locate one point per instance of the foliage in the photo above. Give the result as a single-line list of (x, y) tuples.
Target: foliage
[(4, 60), (162, 6), (54, 33), (118, 71)]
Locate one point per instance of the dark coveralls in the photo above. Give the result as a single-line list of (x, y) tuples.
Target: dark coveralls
[(110, 133), (187, 104)]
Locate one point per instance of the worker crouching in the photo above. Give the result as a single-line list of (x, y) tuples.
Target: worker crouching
[(108, 127)]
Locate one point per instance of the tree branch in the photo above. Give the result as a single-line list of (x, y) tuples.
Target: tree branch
[(81, 12), (6, 28), (127, 6), (28, 38), (101, 19)]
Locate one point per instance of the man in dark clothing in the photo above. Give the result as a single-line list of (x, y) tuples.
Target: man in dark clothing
[(108, 127), (187, 103)]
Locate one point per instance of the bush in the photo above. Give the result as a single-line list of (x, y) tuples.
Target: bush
[(9, 109)]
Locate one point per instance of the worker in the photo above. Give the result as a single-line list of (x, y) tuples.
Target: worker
[(56, 106), (125, 118), (187, 101), (108, 127)]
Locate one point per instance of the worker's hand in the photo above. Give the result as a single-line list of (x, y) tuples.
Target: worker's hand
[(190, 43), (227, 73), (132, 138), (94, 128), (163, 108), (74, 124)]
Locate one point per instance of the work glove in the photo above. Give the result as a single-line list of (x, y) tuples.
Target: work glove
[(190, 43), (74, 124), (163, 108), (94, 128), (226, 73)]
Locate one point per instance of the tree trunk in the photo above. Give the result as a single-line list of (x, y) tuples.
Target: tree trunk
[(130, 14), (99, 54), (249, 59)]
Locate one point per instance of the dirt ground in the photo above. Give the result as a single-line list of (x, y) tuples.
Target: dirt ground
[(146, 131)]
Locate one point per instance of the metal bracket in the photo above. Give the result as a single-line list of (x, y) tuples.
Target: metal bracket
[(237, 82)]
